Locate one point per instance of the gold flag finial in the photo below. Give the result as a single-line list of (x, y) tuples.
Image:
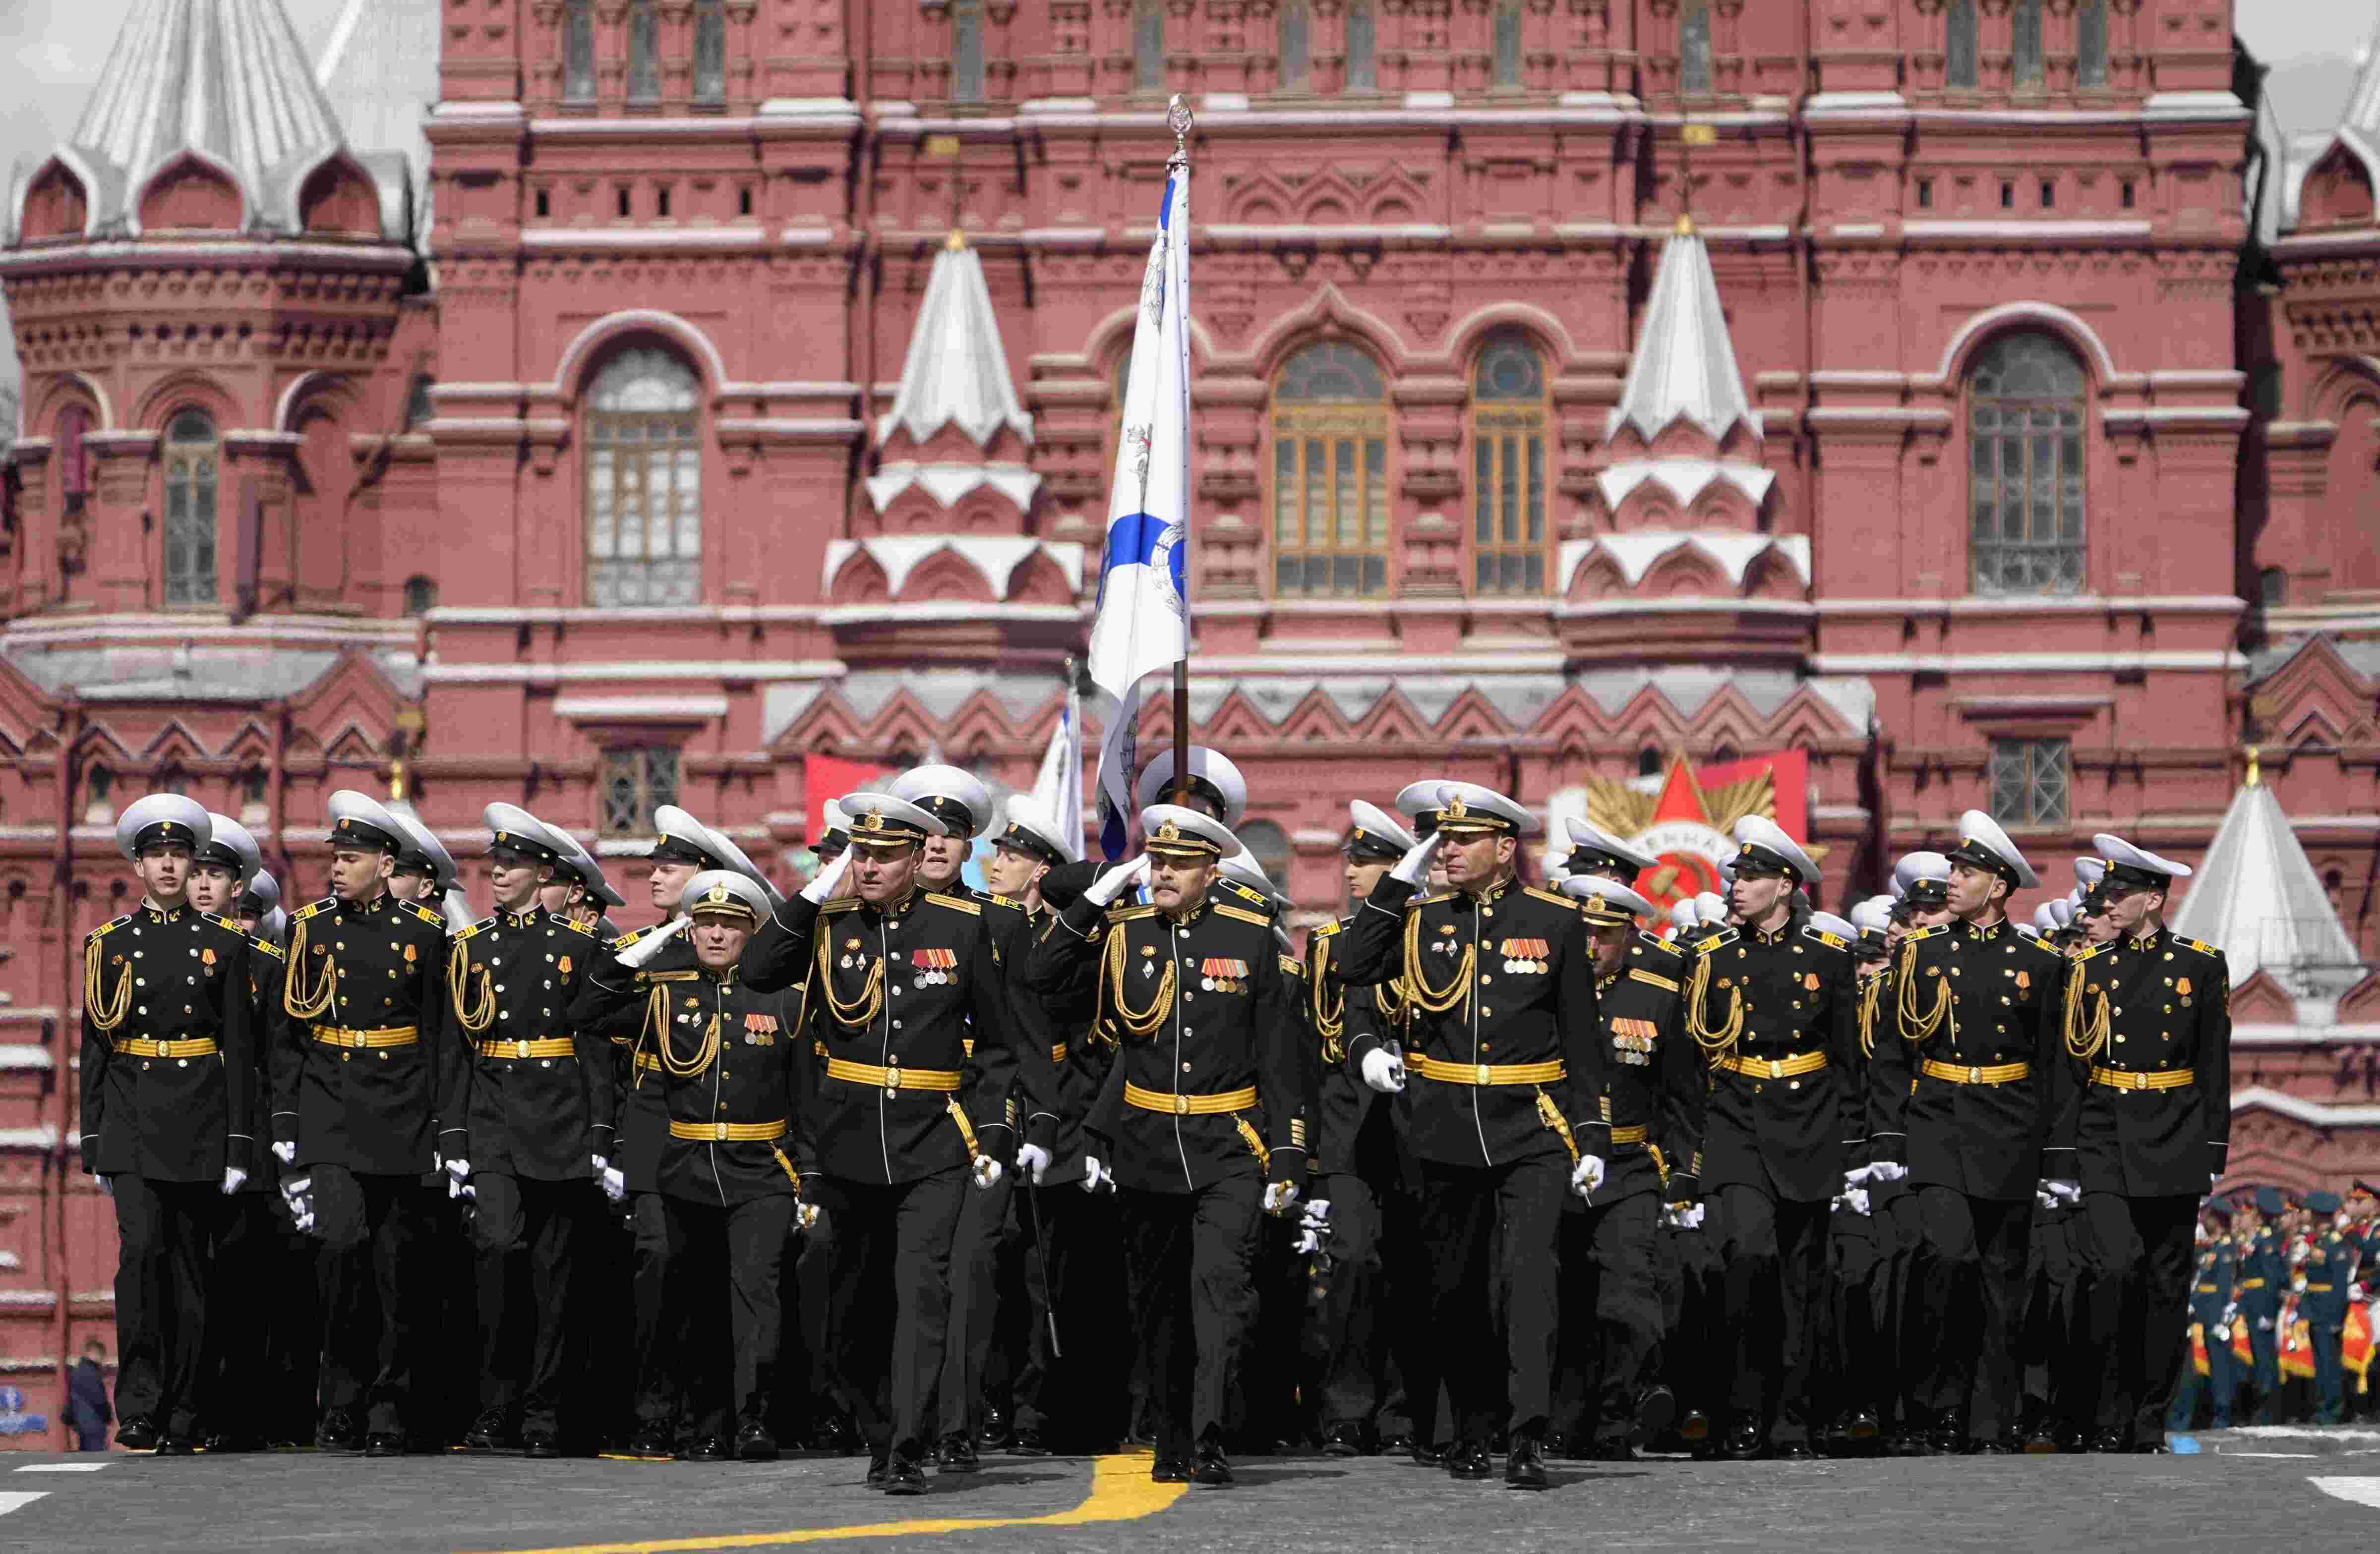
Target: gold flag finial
[(1685, 225), (956, 241), (2256, 777), (1178, 119)]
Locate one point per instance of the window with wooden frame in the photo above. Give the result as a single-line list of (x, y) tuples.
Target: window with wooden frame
[(709, 52), (637, 780), (2024, 464), (1330, 427), (1695, 48), (644, 51), (643, 428), (1510, 416), (578, 51), (1961, 46), (2031, 781), (193, 459), (966, 50)]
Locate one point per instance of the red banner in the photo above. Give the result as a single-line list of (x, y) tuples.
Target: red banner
[(1689, 825), (826, 777)]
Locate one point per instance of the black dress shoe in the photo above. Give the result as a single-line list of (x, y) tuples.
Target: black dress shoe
[(1426, 1454), (1469, 1459), (2002, 1446), (384, 1443), (1796, 1451), (1905, 1443), (1028, 1442), (1213, 1467), (1344, 1440), (956, 1454), (173, 1443), (833, 1433), (137, 1434), (880, 1464), (1656, 1406), (1694, 1427), (2148, 1449), (1863, 1425), (653, 1440), (337, 1432), (1745, 1442), (1524, 1464), (2111, 1439), (1612, 1451), (488, 1433), (902, 1475), (1949, 1437), (992, 1434), (755, 1444), (1168, 1470), (707, 1448), (540, 1443)]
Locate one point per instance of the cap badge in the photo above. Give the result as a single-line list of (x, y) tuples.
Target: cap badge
[(1169, 831), (1453, 811)]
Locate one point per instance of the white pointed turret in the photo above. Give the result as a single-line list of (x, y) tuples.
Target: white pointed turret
[(2257, 899), (955, 375), (1684, 367)]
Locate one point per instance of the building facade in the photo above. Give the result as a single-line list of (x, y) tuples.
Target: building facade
[(1968, 397)]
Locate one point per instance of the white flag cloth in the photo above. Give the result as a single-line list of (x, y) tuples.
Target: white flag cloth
[(1119, 770), (1143, 622), (1058, 790)]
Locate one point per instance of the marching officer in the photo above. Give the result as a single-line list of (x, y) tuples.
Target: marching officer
[(2264, 1271), (614, 1000), (2148, 1025), (1967, 1096), (1201, 1120), (2321, 1281), (1653, 1098), (526, 1110), (169, 1086), (2210, 1327), (898, 979), (355, 1094), (1920, 899), (731, 1055), (1499, 979), (1773, 1005)]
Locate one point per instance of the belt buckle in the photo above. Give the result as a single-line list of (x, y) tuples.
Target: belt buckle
[(1974, 1076), (891, 1078), (1181, 1104), (1483, 1073), (2140, 1080), (1776, 1068)]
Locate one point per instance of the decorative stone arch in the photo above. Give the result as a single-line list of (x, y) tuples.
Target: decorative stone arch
[(1596, 575), (312, 387), (2337, 189), (182, 391), (1469, 336), (56, 203), (337, 198), (1326, 315), (71, 389), (181, 181), (2332, 391), (1111, 340), (948, 576), (860, 579), (2009, 317), (586, 352)]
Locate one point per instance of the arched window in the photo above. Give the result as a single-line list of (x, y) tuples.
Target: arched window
[(709, 52), (1648, 763), (2025, 44), (1331, 474), (74, 467), (1297, 48), (1269, 844), (1695, 48), (1506, 68), (644, 481), (98, 786), (644, 51), (578, 51), (966, 50), (192, 460), (1148, 46), (2271, 588), (2090, 44), (420, 595), (1509, 416), (1959, 48), (1363, 67), (2025, 418)]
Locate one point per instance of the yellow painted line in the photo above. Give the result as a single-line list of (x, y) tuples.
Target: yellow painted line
[(1121, 1492)]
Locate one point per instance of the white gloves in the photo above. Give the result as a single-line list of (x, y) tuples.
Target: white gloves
[(808, 1216), (298, 1197), (1887, 1171), (1095, 1177), (1858, 1177), (285, 1153), (234, 1178), (1588, 1175), (2068, 1192), (458, 1179), (1384, 1070), (1682, 1216), (986, 1171), (614, 1184), (2297, 1253), (1854, 1199), (1413, 868), (2264, 1324), (2355, 1293), (1034, 1161), (1117, 879), (645, 949), (1313, 1225), (106, 1184), (1278, 1195), (829, 880)]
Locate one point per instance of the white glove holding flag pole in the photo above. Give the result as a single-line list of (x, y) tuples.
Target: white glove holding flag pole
[(1278, 1195), (1312, 1226), (645, 949), (1034, 1161), (234, 1178), (1413, 868), (1114, 881), (829, 880), (1588, 1175), (1096, 1177), (1384, 1070)]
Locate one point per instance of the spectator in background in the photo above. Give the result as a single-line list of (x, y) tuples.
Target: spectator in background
[(87, 1411)]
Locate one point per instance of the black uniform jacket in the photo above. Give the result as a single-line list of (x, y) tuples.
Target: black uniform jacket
[(892, 996), (1788, 995), (1200, 1015), (528, 1091), (356, 1077), (1343, 1023), (729, 1076), (2146, 1007), (1654, 1091), (176, 975), (1963, 1008), (614, 1002), (1505, 980)]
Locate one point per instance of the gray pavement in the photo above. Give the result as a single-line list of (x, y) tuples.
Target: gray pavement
[(2243, 1488)]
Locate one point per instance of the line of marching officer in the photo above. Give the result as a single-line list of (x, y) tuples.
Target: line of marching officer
[(1779, 1181)]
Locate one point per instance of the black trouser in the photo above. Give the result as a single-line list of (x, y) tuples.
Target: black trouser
[(1773, 1256), (2142, 1254), (1967, 1306), (2060, 1368), (1610, 1316), (889, 1281), (974, 1305), (1190, 1263), (164, 1231), (742, 1247), (2330, 1375), (1461, 1210), (367, 1219), (1353, 1322), (662, 1326), (1699, 1350), (1856, 1367), (1898, 1214), (526, 1233), (261, 1326), (1076, 1390)]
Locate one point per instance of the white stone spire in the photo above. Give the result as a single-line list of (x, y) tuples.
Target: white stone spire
[(956, 372), (2257, 899), (1685, 366)]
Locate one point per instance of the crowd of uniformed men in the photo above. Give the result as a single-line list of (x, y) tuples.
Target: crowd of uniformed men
[(1090, 1156)]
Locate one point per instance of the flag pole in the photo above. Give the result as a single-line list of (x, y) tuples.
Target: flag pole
[(1178, 119)]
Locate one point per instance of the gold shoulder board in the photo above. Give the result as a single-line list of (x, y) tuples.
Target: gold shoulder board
[(1242, 915), (956, 904), (1638, 973), (270, 948), (1555, 896), (1126, 913), (620, 943)]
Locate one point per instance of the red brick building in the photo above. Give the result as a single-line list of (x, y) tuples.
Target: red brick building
[(1993, 437)]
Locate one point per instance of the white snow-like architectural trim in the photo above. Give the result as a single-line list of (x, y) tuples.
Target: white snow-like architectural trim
[(1684, 478), (946, 483), (995, 557), (1685, 366), (956, 373), (1637, 552)]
